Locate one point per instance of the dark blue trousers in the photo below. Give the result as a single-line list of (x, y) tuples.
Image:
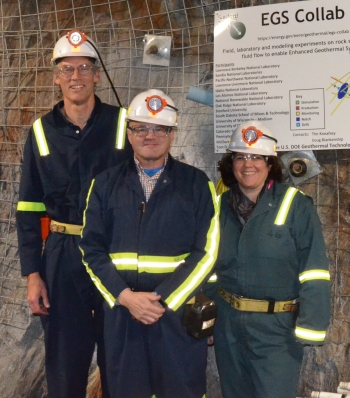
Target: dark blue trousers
[(143, 361), (69, 329)]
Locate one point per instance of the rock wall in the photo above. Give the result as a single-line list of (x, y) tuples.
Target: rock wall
[(28, 33)]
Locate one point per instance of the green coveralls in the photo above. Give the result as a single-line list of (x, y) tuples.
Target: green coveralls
[(279, 254)]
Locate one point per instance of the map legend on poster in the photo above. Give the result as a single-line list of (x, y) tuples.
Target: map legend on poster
[(307, 109)]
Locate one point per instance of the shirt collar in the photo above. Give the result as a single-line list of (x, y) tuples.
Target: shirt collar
[(140, 169)]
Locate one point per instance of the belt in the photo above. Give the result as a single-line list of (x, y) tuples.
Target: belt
[(269, 306), (62, 228)]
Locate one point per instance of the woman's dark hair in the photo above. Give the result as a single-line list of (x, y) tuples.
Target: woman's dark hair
[(226, 170)]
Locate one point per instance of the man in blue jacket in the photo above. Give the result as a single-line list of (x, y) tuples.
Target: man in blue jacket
[(149, 243), (64, 150)]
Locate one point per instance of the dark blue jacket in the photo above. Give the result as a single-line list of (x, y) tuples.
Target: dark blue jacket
[(58, 165), (167, 245)]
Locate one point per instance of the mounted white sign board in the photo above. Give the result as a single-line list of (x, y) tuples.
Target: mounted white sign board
[(287, 65)]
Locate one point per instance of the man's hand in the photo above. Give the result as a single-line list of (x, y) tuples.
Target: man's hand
[(37, 295), (143, 306)]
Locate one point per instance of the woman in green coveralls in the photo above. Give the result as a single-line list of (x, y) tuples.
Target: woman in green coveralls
[(273, 289)]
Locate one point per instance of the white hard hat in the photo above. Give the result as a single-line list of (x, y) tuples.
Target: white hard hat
[(253, 137), (74, 44), (153, 106)]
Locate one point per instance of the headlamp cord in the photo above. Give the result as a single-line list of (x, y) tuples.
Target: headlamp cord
[(105, 70), (172, 107), (271, 138)]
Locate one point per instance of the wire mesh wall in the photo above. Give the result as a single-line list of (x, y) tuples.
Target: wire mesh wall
[(29, 30)]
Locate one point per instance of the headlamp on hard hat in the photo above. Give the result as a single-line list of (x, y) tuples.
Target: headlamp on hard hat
[(156, 104), (251, 135), (76, 37)]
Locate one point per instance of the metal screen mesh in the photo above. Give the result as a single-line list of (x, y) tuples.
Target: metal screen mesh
[(29, 31)]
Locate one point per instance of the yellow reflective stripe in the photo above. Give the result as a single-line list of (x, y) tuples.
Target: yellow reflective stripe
[(205, 265), (308, 334), (164, 259), (153, 396), (123, 256), (121, 129), (221, 187), (87, 202), (124, 261), (105, 293), (30, 206), (218, 198), (213, 278), (40, 138), (285, 206), (314, 274), (151, 264), (160, 264)]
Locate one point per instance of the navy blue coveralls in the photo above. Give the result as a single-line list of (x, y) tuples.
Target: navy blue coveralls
[(167, 245), (60, 160)]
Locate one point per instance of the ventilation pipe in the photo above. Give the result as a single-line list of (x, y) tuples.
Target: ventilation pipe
[(199, 95)]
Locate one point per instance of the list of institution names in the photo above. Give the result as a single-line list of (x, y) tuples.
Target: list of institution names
[(239, 93)]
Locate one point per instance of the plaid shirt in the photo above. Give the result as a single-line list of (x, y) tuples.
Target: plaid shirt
[(148, 183)]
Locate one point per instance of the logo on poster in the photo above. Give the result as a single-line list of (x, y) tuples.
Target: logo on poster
[(237, 30)]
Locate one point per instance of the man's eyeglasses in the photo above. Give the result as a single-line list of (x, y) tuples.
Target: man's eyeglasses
[(143, 131), (84, 70), (257, 159)]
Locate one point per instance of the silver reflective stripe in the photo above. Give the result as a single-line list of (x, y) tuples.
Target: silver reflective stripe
[(121, 129), (40, 138), (285, 206)]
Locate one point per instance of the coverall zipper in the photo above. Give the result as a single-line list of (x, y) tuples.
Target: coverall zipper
[(142, 208)]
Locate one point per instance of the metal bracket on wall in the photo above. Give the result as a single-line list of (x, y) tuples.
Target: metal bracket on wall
[(301, 165), (157, 50)]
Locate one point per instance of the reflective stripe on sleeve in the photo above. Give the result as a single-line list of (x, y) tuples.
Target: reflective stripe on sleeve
[(205, 265), (285, 206), (124, 261), (314, 274), (121, 129), (40, 138), (153, 396), (105, 293), (308, 334), (150, 264), (31, 206), (213, 278), (160, 264)]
